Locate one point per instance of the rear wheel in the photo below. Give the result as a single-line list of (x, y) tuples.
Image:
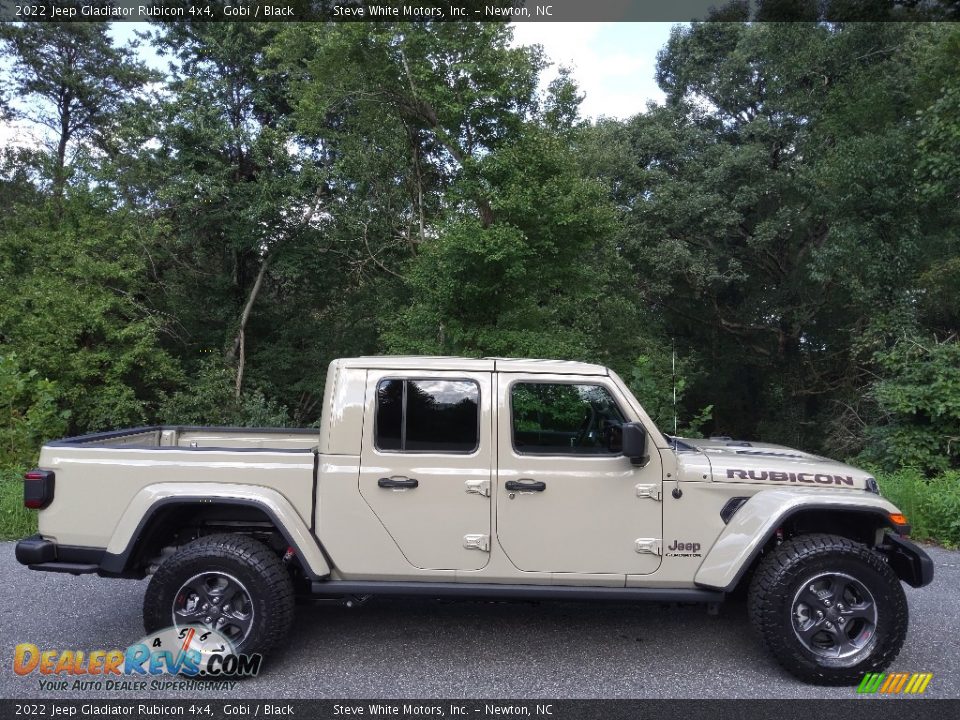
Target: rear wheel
[(229, 583), (829, 609)]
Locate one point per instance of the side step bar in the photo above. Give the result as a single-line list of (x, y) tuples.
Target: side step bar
[(67, 567), (495, 590)]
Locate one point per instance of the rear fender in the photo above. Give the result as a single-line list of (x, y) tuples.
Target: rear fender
[(146, 503)]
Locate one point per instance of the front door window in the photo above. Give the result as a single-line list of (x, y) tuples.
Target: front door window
[(559, 419)]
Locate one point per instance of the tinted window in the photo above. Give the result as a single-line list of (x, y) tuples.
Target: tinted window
[(428, 415), (389, 414), (565, 419)]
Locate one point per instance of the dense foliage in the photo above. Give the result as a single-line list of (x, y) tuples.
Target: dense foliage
[(196, 247)]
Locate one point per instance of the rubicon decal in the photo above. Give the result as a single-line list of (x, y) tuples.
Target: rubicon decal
[(778, 476), (895, 683)]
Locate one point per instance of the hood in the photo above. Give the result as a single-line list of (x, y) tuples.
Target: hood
[(738, 461)]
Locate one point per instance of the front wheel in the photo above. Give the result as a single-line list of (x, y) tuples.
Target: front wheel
[(829, 609), (229, 583)]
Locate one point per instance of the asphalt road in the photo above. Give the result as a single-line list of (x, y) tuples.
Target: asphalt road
[(439, 649)]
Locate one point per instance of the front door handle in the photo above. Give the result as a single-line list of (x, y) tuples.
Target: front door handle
[(525, 485), (397, 482)]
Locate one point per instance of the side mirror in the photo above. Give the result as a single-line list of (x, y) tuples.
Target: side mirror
[(634, 439)]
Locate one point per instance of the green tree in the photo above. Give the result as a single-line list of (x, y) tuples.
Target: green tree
[(234, 205), (769, 215), (919, 402), (535, 281), (29, 412), (79, 82), (72, 308), (72, 280), (508, 243)]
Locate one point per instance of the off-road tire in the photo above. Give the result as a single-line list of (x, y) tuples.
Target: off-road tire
[(783, 574), (258, 568)]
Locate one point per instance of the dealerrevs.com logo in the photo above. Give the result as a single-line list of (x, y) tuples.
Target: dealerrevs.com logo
[(194, 654), (895, 683)]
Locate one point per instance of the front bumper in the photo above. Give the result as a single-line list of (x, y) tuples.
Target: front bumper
[(38, 553), (909, 562)]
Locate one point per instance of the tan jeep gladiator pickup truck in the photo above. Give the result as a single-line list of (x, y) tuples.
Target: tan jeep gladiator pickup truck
[(492, 478)]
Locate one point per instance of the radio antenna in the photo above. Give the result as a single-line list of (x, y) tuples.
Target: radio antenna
[(673, 347)]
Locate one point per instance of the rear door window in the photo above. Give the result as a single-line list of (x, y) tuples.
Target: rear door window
[(439, 416)]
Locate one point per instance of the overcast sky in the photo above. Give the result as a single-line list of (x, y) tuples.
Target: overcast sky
[(613, 63)]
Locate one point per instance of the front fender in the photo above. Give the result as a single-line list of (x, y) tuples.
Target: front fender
[(756, 521), (149, 500)]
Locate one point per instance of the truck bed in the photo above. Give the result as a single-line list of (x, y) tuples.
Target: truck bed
[(186, 437), (106, 472)]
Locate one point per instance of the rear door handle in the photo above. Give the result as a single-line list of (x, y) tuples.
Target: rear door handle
[(525, 485), (397, 482)]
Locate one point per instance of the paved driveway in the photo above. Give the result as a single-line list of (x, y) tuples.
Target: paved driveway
[(439, 649)]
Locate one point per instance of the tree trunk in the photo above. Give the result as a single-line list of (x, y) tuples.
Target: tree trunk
[(239, 350), (59, 173)]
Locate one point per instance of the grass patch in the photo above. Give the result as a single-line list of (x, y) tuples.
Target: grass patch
[(15, 520), (931, 505)]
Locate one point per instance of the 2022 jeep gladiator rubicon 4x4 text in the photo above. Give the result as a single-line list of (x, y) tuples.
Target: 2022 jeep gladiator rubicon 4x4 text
[(480, 478)]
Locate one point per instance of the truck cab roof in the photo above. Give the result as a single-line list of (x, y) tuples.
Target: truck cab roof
[(488, 364)]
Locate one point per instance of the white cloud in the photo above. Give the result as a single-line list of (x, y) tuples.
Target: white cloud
[(613, 63)]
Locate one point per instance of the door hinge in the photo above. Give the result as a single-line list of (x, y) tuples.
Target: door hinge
[(478, 487), (477, 542), (649, 491), (652, 546)]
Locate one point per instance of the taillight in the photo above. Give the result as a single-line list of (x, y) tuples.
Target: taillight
[(38, 489)]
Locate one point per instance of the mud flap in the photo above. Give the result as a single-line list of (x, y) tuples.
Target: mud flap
[(909, 562)]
